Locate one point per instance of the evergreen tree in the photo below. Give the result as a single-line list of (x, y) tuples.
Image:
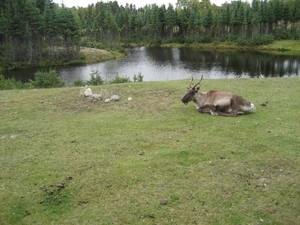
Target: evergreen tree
[(183, 21), (154, 21), (286, 14), (208, 22), (295, 17), (68, 28), (170, 20), (255, 18), (110, 25)]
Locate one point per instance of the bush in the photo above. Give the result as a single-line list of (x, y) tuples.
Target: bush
[(205, 39), (138, 78), (118, 80), (78, 82), (95, 78), (241, 41), (7, 84), (47, 80)]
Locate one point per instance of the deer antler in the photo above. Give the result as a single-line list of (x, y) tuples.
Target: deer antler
[(198, 81), (190, 84)]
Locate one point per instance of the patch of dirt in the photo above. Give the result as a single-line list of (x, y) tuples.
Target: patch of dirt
[(54, 193)]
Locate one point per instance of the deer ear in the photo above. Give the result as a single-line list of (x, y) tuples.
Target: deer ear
[(197, 89)]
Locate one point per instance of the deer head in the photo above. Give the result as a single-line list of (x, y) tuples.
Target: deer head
[(190, 95)]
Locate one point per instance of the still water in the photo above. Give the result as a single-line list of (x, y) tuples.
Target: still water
[(160, 64)]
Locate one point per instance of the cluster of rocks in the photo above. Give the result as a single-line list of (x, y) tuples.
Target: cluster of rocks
[(97, 97), (112, 98)]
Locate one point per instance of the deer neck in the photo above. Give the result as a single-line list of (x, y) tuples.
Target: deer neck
[(199, 99)]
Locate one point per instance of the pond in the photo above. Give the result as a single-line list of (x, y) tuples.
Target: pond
[(160, 64)]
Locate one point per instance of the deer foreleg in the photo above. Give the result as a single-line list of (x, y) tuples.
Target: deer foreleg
[(209, 108)]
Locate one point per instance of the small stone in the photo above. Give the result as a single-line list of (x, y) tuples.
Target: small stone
[(83, 202), (27, 212), (163, 202), (61, 185), (148, 215), (107, 100), (130, 99)]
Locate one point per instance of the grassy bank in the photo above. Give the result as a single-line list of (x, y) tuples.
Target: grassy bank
[(88, 56), (94, 55), (285, 47), (153, 160), (291, 47)]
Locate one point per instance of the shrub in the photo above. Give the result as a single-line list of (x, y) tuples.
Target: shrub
[(47, 80), (118, 80), (241, 41), (205, 39), (95, 78), (78, 82), (7, 84), (138, 78)]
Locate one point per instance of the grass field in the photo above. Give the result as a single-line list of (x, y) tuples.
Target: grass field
[(68, 160)]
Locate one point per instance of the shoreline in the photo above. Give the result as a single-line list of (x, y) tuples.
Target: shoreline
[(94, 55)]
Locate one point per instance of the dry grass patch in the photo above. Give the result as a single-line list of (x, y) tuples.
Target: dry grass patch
[(94, 55)]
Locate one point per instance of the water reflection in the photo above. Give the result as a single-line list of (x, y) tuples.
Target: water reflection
[(158, 64)]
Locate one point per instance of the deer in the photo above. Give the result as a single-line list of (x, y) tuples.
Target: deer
[(216, 102)]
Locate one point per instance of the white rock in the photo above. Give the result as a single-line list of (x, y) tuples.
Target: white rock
[(107, 100), (88, 92), (96, 97), (115, 98), (130, 99)]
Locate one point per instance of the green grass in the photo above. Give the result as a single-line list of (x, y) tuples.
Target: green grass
[(126, 157), (291, 47), (283, 47)]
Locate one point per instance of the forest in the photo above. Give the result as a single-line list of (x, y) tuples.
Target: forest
[(36, 32)]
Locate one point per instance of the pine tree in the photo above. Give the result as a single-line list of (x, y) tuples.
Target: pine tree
[(68, 28), (286, 14), (154, 21), (255, 18), (208, 22), (170, 20), (111, 34), (183, 21)]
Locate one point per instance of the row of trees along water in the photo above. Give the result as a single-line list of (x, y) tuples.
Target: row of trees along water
[(35, 31)]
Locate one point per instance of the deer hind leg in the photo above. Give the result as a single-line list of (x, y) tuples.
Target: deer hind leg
[(229, 110), (229, 114)]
